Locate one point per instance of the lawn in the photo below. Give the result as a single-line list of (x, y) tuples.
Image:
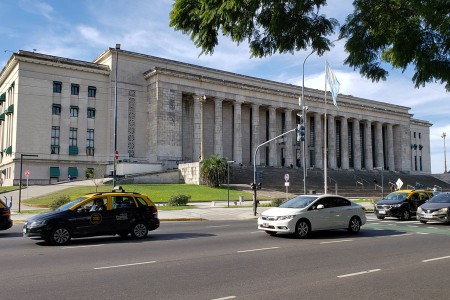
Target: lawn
[(159, 193)]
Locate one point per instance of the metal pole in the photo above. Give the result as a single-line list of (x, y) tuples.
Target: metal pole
[(228, 185), (115, 116), (445, 153), (304, 122), (20, 176)]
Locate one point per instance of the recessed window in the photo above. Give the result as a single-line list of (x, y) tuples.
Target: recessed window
[(75, 89), (90, 142), (74, 111), (92, 91), (56, 109), (73, 134), (91, 112), (420, 135), (57, 86), (55, 134)]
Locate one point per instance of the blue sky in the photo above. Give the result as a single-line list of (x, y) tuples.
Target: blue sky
[(84, 29)]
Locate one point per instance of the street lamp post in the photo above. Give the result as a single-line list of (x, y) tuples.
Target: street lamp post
[(445, 153), (20, 176), (228, 174), (302, 105), (115, 117)]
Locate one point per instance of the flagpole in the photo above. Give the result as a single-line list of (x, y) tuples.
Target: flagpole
[(325, 160)]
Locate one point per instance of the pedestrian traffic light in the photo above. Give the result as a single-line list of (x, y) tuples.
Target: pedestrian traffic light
[(300, 132)]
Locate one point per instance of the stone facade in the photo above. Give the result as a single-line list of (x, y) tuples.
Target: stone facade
[(171, 113)]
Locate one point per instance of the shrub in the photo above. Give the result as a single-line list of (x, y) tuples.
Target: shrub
[(57, 202), (178, 200), (277, 202)]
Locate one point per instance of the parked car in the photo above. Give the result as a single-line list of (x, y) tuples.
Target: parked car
[(306, 213), (401, 204), (111, 213), (436, 209), (5, 216)]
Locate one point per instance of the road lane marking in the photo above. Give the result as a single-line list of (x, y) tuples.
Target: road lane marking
[(75, 247), (260, 249), (225, 298), (423, 233), (403, 234), (126, 265), (358, 273), (338, 241), (437, 258), (217, 226)]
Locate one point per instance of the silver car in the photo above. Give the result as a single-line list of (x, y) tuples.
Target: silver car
[(306, 213), (436, 209)]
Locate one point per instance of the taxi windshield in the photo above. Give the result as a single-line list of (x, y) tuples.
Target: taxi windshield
[(299, 202), (396, 196), (70, 204)]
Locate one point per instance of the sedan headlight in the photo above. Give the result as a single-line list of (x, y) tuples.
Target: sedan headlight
[(419, 210), (443, 210), (285, 218), (40, 223)]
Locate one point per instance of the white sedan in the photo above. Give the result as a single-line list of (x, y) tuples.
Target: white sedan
[(306, 213)]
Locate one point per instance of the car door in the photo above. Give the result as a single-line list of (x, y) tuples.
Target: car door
[(414, 202), (123, 210), (343, 212), (424, 197), (323, 218), (85, 220)]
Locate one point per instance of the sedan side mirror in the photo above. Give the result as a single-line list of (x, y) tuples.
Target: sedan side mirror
[(320, 206)]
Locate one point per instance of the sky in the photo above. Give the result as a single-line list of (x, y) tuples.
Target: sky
[(83, 29)]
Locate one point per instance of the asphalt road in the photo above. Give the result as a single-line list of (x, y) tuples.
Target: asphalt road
[(231, 260)]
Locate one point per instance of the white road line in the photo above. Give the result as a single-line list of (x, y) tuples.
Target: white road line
[(127, 265), (423, 233), (225, 298), (413, 226), (339, 241), (75, 247), (437, 258), (358, 273), (260, 249), (432, 227), (404, 234)]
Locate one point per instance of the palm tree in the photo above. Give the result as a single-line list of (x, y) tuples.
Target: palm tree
[(213, 170)]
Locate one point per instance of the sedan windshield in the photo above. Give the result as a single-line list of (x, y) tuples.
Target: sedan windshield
[(440, 198), (70, 204), (299, 202), (396, 196)]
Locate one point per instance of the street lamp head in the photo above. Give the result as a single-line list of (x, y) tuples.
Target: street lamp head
[(117, 46), (443, 135)]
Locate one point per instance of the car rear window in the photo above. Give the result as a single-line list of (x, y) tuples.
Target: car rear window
[(141, 201)]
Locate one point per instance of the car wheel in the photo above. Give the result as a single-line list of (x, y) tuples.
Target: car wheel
[(302, 229), (380, 218), (270, 232), (355, 225), (139, 230), (423, 222), (405, 215), (60, 235)]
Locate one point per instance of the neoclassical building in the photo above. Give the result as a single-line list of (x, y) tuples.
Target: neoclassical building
[(170, 113)]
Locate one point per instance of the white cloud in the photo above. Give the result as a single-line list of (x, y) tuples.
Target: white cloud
[(38, 8)]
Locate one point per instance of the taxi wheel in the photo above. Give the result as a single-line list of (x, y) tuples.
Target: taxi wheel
[(139, 230), (405, 215), (59, 236)]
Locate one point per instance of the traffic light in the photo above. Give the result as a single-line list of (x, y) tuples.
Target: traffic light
[(300, 132)]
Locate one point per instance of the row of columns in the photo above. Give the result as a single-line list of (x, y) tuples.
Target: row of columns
[(369, 160)]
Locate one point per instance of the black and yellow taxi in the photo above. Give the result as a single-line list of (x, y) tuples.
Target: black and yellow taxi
[(401, 204), (117, 212), (5, 216)]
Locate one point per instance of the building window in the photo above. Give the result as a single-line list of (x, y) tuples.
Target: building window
[(74, 111), (91, 112), (92, 91), (90, 142), (420, 135), (414, 134), (57, 86), (56, 109), (55, 140), (73, 135), (75, 89)]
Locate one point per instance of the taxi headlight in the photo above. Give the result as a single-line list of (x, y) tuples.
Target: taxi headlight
[(40, 223), (396, 205), (285, 218), (443, 210)]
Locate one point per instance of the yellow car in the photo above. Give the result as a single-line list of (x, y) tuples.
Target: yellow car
[(116, 212), (5, 216), (402, 203)]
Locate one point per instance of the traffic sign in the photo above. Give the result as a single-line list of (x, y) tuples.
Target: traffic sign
[(27, 173), (116, 155), (286, 177)]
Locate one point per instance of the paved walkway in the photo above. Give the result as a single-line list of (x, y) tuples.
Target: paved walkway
[(214, 210)]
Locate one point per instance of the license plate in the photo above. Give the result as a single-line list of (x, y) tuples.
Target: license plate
[(381, 211), (428, 216)]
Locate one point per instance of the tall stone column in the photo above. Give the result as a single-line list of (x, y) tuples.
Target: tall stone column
[(379, 161), (218, 134), (237, 135), (368, 145), (390, 147), (289, 140), (318, 135), (198, 128), (255, 134), (356, 146), (331, 142), (344, 144), (272, 134)]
